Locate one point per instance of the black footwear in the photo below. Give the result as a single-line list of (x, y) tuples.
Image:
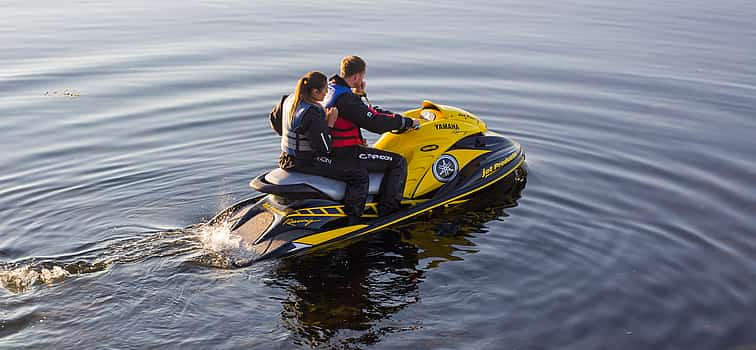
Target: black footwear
[(353, 220), (386, 210)]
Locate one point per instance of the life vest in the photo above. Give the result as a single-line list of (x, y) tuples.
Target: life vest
[(292, 138), (344, 132)]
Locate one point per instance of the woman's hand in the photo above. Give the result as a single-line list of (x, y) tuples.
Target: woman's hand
[(331, 115)]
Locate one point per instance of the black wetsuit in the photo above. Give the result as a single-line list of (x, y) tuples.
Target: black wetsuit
[(392, 165)]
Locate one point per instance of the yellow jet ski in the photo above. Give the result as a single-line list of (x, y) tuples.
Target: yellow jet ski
[(451, 157)]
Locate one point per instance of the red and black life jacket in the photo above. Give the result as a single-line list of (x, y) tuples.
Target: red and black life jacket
[(344, 132)]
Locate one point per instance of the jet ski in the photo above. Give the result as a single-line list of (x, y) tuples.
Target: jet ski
[(451, 158)]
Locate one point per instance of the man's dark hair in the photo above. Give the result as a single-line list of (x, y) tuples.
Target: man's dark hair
[(352, 65)]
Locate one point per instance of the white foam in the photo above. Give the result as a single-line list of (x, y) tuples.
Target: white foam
[(218, 238), (22, 278)]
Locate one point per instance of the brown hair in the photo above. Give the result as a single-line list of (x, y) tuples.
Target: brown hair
[(351, 65), (306, 84)]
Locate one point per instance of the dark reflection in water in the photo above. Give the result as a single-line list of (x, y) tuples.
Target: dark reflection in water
[(351, 289), (338, 297)]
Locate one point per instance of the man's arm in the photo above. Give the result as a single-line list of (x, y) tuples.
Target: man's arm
[(378, 121)]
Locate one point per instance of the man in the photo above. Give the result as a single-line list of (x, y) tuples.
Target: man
[(349, 147)]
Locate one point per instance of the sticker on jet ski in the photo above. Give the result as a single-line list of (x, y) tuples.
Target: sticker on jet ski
[(498, 165), (447, 126), (374, 156), (295, 222), (445, 168)]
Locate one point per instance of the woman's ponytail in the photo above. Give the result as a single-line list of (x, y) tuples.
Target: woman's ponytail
[(306, 84), (301, 84)]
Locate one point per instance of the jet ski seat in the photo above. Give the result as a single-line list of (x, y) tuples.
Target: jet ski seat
[(297, 185)]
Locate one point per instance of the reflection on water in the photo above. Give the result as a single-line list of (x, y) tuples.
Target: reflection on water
[(339, 297), (348, 290)]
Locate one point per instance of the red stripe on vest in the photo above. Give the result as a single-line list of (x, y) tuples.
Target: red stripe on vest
[(345, 133)]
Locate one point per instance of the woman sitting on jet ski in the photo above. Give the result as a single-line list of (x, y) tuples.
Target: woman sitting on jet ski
[(304, 124), (305, 129)]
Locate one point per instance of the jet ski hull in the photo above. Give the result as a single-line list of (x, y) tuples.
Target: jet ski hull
[(273, 226)]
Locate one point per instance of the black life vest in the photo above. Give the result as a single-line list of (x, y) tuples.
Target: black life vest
[(293, 140)]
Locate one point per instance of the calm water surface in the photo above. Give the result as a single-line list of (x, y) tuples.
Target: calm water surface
[(125, 126)]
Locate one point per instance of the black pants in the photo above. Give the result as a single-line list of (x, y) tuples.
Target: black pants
[(352, 165), (393, 167), (356, 178)]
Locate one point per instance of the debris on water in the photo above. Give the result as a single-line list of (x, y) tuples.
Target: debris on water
[(63, 93)]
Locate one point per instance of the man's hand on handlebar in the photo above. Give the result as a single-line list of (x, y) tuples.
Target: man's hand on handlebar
[(414, 125)]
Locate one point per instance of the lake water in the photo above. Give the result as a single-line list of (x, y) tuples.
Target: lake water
[(126, 125)]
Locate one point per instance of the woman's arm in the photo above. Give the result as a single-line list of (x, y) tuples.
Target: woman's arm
[(316, 128)]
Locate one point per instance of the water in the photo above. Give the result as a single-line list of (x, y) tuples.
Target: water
[(126, 126)]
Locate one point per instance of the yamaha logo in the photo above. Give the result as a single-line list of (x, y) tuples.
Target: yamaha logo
[(447, 126), (445, 168)]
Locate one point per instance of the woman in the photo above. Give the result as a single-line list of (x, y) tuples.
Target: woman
[(305, 125), (306, 141)]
